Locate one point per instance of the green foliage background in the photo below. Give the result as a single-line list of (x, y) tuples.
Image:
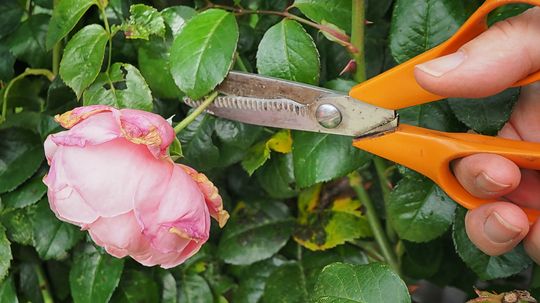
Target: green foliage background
[(304, 219)]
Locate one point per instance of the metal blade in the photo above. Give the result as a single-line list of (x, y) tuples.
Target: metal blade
[(262, 87), (266, 101)]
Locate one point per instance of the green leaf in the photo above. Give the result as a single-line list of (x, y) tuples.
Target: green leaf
[(83, 57), (436, 115), (287, 284), (195, 289), (451, 270), (143, 22), (333, 33), (25, 94), (377, 9), (198, 262), (346, 283), (12, 12), (485, 115), (18, 224), (169, 292), (334, 58), (237, 134), (28, 193), (419, 25), (197, 145), (255, 232), (44, 3), (378, 57), (328, 228), (153, 58), (323, 157), (341, 85), (176, 17), (60, 98), (422, 260), (136, 286), (5, 253), (486, 267), (209, 142), (7, 291), (314, 262), (52, 237), (27, 43), (65, 16), (6, 63), (94, 276), (295, 281), (120, 8), (220, 283), (175, 149), (129, 89), (33, 121), (28, 284), (287, 51), (21, 155), (246, 43), (234, 139), (202, 53), (27, 120), (166, 107), (58, 274), (419, 210), (276, 177), (253, 280), (258, 154), (337, 12)]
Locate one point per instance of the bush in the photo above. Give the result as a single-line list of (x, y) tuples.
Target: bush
[(312, 218)]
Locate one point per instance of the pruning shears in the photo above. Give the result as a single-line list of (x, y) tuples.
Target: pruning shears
[(368, 114)]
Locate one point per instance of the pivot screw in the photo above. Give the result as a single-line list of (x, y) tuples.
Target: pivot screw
[(328, 116)]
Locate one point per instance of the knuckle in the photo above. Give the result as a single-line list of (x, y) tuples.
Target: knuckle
[(509, 33), (507, 29)]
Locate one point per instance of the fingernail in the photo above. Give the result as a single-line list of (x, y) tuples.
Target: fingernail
[(440, 66), (489, 185), (498, 230)]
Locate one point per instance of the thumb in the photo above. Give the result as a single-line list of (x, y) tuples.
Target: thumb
[(506, 53)]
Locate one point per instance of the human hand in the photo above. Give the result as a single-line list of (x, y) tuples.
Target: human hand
[(492, 62)]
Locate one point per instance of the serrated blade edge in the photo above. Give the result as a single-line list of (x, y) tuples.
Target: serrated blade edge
[(253, 104)]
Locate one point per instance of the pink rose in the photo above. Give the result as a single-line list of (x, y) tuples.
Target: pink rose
[(111, 175)]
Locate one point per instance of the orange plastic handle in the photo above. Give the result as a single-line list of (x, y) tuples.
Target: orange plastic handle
[(405, 90), (430, 152)]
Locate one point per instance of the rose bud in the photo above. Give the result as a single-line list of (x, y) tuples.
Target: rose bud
[(111, 174)]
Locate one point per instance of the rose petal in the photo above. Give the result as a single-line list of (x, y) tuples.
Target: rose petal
[(100, 128), (167, 242), (191, 249), (50, 149), (72, 117), (70, 206), (111, 174), (169, 260), (65, 200), (181, 206), (146, 128), (211, 195), (126, 238), (108, 175)]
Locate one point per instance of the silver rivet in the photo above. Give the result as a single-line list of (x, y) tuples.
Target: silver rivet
[(328, 116)]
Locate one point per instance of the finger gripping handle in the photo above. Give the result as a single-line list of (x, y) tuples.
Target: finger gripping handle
[(430, 152), (405, 90)]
